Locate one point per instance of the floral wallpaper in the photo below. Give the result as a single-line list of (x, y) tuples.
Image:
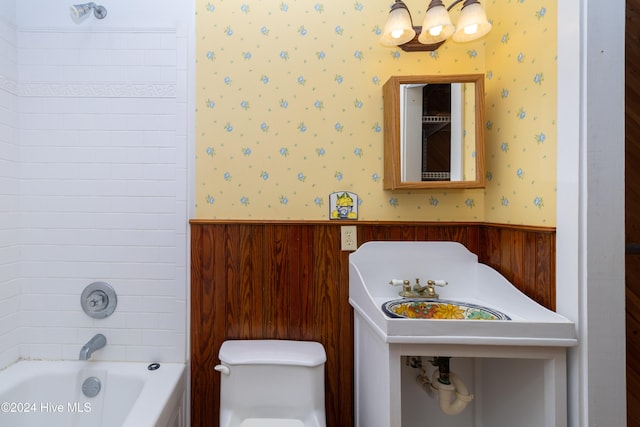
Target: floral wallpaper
[(289, 110)]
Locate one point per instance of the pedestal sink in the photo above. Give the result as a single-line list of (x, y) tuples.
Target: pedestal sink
[(507, 347)]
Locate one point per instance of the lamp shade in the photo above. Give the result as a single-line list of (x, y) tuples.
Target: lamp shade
[(437, 26), (472, 23), (398, 29)]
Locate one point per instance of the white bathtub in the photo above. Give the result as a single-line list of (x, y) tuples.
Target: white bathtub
[(39, 393)]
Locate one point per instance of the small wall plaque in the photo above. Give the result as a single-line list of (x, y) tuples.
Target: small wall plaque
[(343, 205)]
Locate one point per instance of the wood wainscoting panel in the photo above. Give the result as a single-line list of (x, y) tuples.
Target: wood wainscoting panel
[(526, 257), (289, 280)]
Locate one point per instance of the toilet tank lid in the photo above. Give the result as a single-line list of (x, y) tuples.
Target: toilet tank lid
[(272, 352)]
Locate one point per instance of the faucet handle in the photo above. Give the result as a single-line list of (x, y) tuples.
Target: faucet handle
[(406, 286), (430, 290), (398, 282), (440, 283)]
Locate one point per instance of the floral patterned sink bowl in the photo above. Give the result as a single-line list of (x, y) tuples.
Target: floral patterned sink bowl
[(439, 309)]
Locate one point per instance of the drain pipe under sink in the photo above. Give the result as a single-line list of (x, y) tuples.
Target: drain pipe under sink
[(453, 397), (451, 392)]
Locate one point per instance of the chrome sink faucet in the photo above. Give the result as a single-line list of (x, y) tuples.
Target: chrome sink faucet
[(94, 344)]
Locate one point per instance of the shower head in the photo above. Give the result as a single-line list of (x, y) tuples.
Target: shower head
[(78, 11)]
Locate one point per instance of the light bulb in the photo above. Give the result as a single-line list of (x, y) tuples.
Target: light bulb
[(436, 26), (398, 29), (471, 29), (396, 34), (435, 31)]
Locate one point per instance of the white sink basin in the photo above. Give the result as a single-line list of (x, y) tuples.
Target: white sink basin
[(517, 319)]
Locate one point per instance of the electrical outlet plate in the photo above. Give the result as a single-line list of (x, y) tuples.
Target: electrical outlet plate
[(349, 237)]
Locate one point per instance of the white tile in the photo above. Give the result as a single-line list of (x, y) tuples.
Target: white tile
[(165, 58), (110, 74), (112, 40), (103, 193), (149, 353), (124, 336), (9, 322), (43, 351), (59, 302), (143, 321), (10, 289), (52, 318), (145, 41), (123, 57), (8, 353), (158, 337)]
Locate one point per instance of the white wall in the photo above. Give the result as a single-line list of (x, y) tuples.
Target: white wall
[(590, 225), (120, 14), (102, 118), (8, 11), (9, 193)]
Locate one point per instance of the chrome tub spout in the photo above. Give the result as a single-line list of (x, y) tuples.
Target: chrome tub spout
[(95, 343)]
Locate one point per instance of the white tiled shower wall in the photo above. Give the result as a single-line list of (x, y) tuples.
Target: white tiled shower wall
[(95, 133), (9, 197)]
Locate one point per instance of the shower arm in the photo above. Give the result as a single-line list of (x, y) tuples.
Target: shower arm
[(99, 11)]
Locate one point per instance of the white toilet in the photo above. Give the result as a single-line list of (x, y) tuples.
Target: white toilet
[(272, 383)]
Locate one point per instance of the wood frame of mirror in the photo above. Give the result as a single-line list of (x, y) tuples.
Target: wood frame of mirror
[(392, 143)]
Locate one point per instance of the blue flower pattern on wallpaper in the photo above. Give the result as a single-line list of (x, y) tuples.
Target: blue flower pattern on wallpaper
[(304, 107)]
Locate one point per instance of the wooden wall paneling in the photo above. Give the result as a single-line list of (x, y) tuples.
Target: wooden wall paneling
[(505, 251), (240, 249), (545, 279), (207, 325), (530, 264), (332, 322), (275, 282), (489, 251), (525, 257), (452, 233), (632, 292), (516, 245), (289, 280), (472, 238), (232, 274), (302, 287), (386, 232)]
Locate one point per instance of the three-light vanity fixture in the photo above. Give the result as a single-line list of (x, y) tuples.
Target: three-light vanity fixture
[(436, 26)]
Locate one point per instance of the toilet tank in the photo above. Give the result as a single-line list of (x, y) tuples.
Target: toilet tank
[(272, 379)]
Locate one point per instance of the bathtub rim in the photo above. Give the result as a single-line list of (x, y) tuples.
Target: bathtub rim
[(166, 384)]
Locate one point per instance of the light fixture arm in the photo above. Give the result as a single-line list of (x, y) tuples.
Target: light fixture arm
[(399, 4), (435, 3), (456, 2)]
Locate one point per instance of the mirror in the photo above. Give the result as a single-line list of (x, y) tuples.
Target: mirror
[(433, 132)]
